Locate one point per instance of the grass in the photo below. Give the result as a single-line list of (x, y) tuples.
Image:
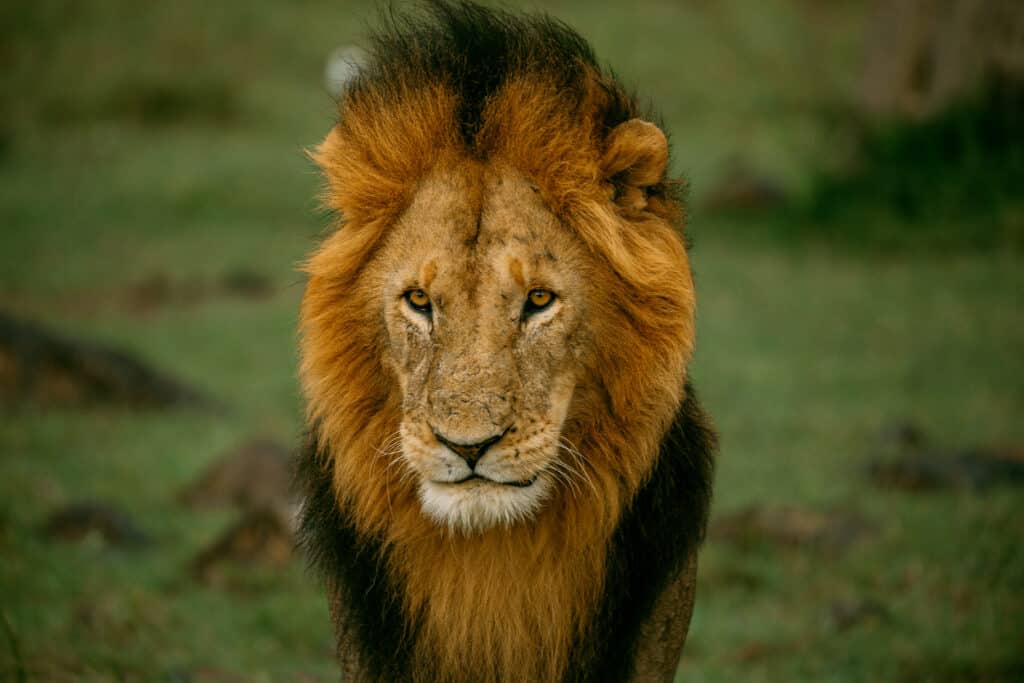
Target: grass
[(805, 348)]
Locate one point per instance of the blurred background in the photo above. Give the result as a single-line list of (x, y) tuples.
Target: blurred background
[(856, 207)]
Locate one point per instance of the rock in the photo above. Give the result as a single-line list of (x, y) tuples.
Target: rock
[(342, 66), (255, 473), (94, 519), (41, 367), (263, 537), (791, 526)]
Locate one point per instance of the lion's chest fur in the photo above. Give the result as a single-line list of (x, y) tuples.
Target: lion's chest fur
[(507, 605)]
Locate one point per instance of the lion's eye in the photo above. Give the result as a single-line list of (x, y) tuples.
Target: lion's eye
[(419, 300), (537, 300)]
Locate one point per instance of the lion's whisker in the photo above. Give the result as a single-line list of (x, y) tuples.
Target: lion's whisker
[(563, 472), (569, 447)]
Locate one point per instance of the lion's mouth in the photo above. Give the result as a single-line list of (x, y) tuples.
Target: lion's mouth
[(517, 484)]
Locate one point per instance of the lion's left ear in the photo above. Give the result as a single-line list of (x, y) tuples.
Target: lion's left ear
[(635, 156)]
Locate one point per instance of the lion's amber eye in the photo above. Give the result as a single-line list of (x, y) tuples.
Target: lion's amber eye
[(418, 299), (540, 297), (537, 300)]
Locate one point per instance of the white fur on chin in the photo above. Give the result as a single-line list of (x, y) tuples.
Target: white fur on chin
[(477, 505)]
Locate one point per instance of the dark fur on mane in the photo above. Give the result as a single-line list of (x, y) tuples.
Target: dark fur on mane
[(662, 527), (473, 50)]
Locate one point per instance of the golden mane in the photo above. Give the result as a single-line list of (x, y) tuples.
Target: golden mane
[(512, 602)]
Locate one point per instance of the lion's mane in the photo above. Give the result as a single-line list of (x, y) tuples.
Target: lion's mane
[(565, 596)]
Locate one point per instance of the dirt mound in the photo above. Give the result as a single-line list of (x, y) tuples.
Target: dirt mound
[(84, 519), (41, 367), (790, 525), (255, 473), (906, 459), (263, 537)]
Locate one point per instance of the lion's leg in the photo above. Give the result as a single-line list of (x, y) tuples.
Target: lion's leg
[(662, 636), (353, 669)]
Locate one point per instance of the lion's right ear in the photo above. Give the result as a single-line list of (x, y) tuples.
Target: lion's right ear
[(635, 157)]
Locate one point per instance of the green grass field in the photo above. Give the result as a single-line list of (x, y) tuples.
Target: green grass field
[(169, 141)]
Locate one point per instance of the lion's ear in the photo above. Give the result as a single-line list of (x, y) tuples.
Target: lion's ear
[(636, 153)]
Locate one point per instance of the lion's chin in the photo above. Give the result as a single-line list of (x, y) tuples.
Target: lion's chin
[(478, 504)]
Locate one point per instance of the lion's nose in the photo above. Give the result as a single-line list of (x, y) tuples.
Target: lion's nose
[(470, 452)]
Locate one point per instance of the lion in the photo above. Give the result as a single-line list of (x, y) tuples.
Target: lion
[(507, 472)]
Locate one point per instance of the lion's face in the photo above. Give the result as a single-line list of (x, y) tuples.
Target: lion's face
[(484, 296), (500, 327)]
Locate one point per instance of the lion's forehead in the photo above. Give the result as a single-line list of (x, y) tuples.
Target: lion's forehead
[(479, 237)]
